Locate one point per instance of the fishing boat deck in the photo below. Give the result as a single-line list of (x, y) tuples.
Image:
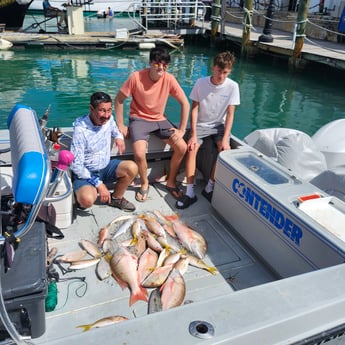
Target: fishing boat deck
[(85, 302), (83, 298), (244, 304)]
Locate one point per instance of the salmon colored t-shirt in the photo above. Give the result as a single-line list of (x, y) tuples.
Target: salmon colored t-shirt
[(149, 98)]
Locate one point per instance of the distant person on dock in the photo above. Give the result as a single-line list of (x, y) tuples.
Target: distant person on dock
[(92, 167), (110, 12), (50, 11), (214, 99), (150, 89)]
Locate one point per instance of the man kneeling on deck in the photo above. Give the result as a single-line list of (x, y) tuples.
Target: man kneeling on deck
[(92, 167)]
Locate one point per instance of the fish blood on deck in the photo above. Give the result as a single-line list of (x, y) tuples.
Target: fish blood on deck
[(268, 211)]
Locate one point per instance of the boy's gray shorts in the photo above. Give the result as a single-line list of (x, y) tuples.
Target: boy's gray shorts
[(215, 133), (141, 129)]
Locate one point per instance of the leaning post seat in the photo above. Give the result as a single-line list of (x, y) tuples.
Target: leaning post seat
[(30, 162)]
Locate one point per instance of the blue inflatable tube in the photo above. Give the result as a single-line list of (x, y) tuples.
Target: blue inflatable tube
[(29, 159)]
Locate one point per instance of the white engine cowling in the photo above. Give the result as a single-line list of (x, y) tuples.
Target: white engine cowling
[(330, 140)]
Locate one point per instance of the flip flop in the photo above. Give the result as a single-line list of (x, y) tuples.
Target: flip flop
[(175, 192), (144, 194)]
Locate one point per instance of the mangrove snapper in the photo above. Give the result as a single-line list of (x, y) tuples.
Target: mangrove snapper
[(154, 226), (123, 265), (157, 277), (151, 241), (190, 239), (147, 263), (173, 290)]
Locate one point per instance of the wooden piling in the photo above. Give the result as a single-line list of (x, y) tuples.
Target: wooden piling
[(215, 18), (247, 24), (301, 23)]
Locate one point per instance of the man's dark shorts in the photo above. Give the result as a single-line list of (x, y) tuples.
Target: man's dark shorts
[(107, 175), (140, 129)]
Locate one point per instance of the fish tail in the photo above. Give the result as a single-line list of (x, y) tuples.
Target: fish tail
[(167, 249), (108, 256), (134, 242), (169, 229), (172, 217), (85, 327), (212, 270), (142, 216), (140, 295)]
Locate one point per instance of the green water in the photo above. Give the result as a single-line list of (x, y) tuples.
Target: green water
[(270, 96)]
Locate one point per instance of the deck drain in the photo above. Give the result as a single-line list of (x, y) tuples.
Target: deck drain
[(201, 329)]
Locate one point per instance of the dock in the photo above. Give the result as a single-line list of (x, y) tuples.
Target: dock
[(91, 40), (173, 33), (324, 52)]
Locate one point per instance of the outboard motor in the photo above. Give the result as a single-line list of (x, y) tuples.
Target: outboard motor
[(330, 140)]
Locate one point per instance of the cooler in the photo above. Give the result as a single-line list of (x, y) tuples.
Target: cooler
[(24, 286), (261, 200)]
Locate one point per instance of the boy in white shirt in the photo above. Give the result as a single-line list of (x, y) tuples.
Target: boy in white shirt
[(214, 99)]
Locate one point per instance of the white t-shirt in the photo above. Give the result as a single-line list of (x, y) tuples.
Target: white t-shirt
[(214, 100)]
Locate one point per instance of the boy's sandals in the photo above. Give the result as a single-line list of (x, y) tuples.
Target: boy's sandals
[(175, 192), (142, 194), (185, 202), (208, 195)]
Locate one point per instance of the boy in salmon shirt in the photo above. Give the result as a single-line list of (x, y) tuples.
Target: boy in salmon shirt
[(150, 89)]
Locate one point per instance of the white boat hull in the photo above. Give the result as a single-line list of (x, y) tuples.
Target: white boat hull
[(248, 302), (261, 201), (4, 44)]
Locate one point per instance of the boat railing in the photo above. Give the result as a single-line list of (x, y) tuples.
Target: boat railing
[(171, 14)]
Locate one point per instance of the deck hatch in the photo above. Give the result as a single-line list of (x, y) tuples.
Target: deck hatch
[(262, 170)]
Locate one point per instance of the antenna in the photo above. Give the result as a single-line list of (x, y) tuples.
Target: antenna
[(44, 119)]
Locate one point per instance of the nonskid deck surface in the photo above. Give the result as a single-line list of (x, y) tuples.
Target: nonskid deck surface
[(84, 302)]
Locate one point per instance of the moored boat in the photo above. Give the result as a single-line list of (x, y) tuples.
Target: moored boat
[(91, 7), (280, 264), (12, 13), (4, 44)]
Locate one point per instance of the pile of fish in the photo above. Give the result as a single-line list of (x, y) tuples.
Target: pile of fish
[(145, 251)]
